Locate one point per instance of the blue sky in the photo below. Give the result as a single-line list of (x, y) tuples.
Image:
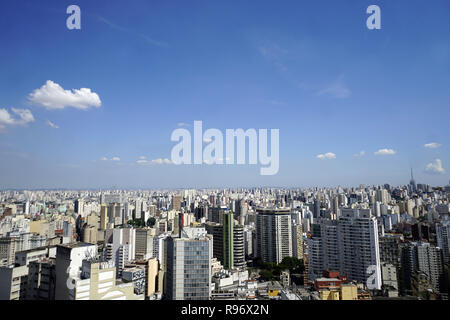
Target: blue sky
[(309, 68)]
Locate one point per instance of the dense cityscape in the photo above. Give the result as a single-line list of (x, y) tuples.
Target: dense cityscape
[(360, 243)]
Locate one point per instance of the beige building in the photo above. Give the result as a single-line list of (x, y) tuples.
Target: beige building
[(35, 226), (103, 217), (98, 282), (13, 283), (152, 277), (43, 228), (345, 292), (92, 220), (90, 234), (153, 285)]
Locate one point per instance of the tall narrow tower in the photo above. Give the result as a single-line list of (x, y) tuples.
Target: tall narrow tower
[(412, 182)]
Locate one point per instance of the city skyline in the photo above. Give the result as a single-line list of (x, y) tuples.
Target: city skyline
[(371, 243), (353, 106)]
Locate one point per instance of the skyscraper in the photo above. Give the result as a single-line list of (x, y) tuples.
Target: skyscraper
[(273, 234), (69, 259), (79, 206), (189, 266), (359, 247), (297, 240), (115, 213), (443, 239), (412, 182), (176, 202), (316, 208), (425, 258), (144, 244), (103, 217), (120, 247), (7, 251), (314, 258), (228, 241), (330, 244), (228, 231)]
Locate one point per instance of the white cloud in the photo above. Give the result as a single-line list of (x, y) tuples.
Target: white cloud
[(435, 167), (337, 89), (5, 118), (183, 124), (432, 145), (360, 154), (328, 155), (142, 160), (160, 161), (385, 152), (112, 159), (52, 96), (24, 116), (52, 125)]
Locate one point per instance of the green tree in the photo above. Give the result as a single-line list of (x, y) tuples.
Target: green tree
[(135, 223), (266, 275), (151, 222), (292, 264)]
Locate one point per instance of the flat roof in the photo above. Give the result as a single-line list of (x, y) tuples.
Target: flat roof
[(75, 245), (328, 279)]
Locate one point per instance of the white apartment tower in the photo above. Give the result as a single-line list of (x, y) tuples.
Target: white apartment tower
[(443, 239), (120, 247), (273, 234), (69, 260), (359, 247)]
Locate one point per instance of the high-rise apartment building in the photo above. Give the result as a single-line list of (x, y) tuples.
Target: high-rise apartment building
[(13, 283), (176, 202), (89, 234), (69, 259), (274, 234), (297, 240), (314, 258), (228, 241), (144, 244), (103, 217), (188, 267), (330, 245), (390, 249), (443, 239), (79, 207), (41, 279), (359, 247), (7, 251), (239, 247), (115, 213), (425, 258), (120, 247)]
